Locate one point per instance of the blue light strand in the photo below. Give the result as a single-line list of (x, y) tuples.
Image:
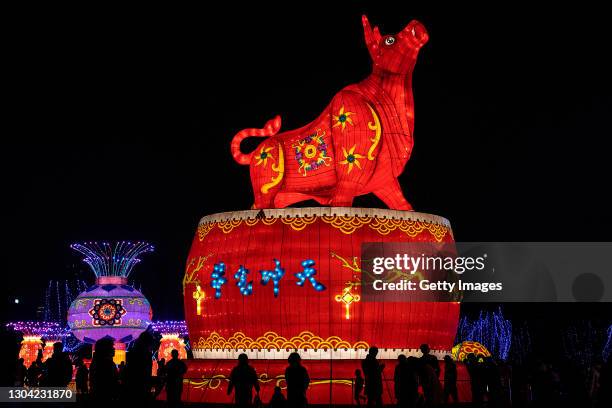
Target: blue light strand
[(585, 342), (607, 348), (58, 298), (275, 275), (218, 278), (59, 303), (309, 272), (117, 259), (492, 330), (47, 313), (245, 288)]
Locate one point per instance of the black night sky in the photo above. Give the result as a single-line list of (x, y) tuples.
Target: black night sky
[(119, 125)]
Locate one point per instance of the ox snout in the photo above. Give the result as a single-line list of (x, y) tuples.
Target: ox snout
[(416, 33)]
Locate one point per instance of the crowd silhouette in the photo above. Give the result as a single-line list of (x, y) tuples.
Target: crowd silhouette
[(415, 382)]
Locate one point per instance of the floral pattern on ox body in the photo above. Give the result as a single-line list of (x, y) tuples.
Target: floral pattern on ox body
[(311, 152)]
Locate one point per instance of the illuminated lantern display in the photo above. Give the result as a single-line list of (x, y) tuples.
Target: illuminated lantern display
[(111, 308), (172, 333), (461, 350), (29, 349), (34, 335), (273, 280)]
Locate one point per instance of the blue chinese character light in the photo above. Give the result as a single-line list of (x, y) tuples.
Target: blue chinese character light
[(245, 288), (275, 275), (218, 279), (308, 273)]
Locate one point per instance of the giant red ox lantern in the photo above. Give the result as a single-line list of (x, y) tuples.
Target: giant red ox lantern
[(359, 144), (271, 281)]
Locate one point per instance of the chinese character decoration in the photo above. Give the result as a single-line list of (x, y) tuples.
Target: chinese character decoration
[(218, 279), (274, 275), (241, 276), (199, 296), (309, 272)]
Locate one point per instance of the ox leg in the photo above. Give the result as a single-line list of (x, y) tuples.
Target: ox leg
[(263, 201), (343, 196), (391, 194)]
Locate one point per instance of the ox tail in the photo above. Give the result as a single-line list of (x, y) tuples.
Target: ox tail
[(270, 129)]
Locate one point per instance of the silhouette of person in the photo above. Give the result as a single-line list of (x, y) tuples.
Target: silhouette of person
[(372, 370), (174, 372), (476, 372), (359, 383), (430, 359), (160, 376), (138, 370), (278, 399), (492, 382), (20, 373), (103, 376), (604, 392), (297, 379), (121, 371), (58, 368), (10, 342), (33, 375), (82, 373), (432, 390), (405, 382), (39, 369), (243, 379), (450, 380)]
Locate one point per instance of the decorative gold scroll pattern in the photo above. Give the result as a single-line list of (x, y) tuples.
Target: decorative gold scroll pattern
[(272, 341), (215, 381), (204, 229), (346, 224)]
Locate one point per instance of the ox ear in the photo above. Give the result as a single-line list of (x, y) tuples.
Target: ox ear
[(372, 37)]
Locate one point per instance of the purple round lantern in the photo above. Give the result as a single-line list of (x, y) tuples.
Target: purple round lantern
[(111, 308)]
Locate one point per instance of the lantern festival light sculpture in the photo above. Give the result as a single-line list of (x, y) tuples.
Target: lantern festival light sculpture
[(37, 336), (273, 280), (110, 308), (172, 338)]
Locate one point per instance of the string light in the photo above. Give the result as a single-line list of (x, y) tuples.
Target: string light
[(491, 329), (585, 343), (218, 278), (170, 327), (275, 275), (48, 330), (245, 288), (112, 259), (607, 349), (58, 297), (308, 273)]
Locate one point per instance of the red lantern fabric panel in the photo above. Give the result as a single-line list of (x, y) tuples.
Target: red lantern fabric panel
[(332, 245)]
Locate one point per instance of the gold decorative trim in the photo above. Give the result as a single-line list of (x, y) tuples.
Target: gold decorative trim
[(204, 229), (346, 224), (229, 225), (272, 341), (376, 127), (279, 168), (410, 228), (215, 381), (300, 223), (195, 264), (382, 221), (273, 213)]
